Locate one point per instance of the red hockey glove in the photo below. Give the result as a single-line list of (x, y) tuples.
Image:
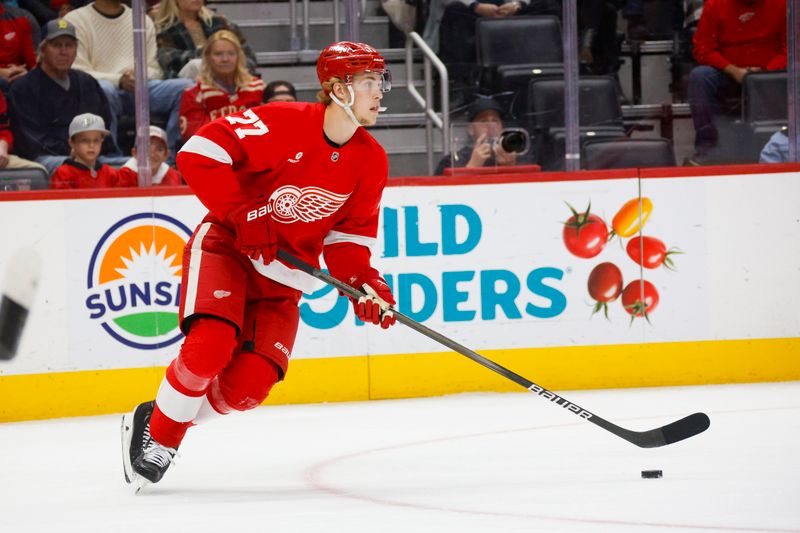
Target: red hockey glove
[(255, 236), (374, 306)]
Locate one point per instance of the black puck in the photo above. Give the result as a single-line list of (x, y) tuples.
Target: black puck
[(652, 474)]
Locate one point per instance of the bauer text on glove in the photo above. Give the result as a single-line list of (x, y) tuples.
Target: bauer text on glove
[(255, 236)]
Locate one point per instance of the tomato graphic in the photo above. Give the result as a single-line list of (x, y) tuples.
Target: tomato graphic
[(626, 222), (605, 285), (653, 252), (632, 298), (585, 235)]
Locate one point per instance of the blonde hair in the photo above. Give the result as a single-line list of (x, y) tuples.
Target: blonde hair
[(324, 95), (168, 14), (242, 75)]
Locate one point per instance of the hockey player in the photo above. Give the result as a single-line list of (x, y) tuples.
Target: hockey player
[(306, 178)]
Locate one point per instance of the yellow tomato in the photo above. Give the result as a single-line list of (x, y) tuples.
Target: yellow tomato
[(627, 222)]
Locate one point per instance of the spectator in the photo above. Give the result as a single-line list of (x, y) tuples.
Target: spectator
[(8, 160), (280, 91), (485, 124), (105, 50), (44, 101), (162, 173), (225, 86), (17, 55), (734, 37), (777, 148), (184, 26), (82, 170)]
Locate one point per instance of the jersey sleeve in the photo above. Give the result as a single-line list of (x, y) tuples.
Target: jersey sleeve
[(209, 160), (61, 179), (192, 114)]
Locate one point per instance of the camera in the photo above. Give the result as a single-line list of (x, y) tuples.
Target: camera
[(513, 140)]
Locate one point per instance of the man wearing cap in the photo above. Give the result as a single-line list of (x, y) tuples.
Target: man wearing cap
[(44, 101), (105, 50), (485, 124)]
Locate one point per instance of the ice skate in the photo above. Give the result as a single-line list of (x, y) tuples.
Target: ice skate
[(144, 460)]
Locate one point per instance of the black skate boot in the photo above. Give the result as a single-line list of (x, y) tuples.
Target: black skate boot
[(144, 459)]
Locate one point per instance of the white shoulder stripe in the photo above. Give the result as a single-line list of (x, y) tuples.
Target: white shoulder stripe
[(205, 147), (334, 237)]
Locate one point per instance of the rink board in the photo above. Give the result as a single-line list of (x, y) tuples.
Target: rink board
[(481, 261)]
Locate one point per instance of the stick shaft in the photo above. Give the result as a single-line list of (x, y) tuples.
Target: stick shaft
[(668, 434)]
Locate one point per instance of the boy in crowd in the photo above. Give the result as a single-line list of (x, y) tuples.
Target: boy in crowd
[(82, 170), (162, 173)]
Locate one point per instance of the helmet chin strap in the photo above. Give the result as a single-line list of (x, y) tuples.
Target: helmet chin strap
[(347, 107)]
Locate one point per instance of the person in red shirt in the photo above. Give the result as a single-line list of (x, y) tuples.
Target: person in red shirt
[(17, 55), (82, 170), (225, 85), (734, 37), (162, 173), (303, 177)]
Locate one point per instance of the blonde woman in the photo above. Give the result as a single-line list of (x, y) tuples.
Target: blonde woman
[(225, 85), (184, 27)]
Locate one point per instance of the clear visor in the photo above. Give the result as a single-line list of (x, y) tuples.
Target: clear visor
[(369, 84)]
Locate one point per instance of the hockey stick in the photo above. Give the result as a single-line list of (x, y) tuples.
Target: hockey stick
[(654, 438)]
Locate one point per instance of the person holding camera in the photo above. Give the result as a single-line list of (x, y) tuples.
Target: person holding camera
[(492, 145)]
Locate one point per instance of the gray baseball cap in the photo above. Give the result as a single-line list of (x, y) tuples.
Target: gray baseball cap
[(57, 28), (87, 122)]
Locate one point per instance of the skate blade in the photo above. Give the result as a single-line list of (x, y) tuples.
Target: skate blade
[(126, 431), (139, 483)]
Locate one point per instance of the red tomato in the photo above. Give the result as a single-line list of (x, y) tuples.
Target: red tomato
[(655, 252), (605, 285), (585, 235), (632, 298)]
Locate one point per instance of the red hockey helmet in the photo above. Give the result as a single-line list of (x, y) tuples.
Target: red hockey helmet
[(345, 59)]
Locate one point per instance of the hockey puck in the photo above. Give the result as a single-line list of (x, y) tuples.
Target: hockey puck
[(652, 474)]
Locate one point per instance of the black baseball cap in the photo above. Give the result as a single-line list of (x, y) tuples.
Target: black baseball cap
[(484, 103), (57, 28)]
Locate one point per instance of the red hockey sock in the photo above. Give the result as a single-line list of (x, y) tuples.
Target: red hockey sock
[(206, 350)]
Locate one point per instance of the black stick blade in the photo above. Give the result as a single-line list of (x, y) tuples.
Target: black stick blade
[(686, 427)]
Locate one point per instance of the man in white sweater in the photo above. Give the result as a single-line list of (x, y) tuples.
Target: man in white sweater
[(105, 50)]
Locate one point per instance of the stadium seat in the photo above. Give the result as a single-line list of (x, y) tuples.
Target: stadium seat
[(764, 109), (506, 65), (23, 179), (627, 153), (600, 115)]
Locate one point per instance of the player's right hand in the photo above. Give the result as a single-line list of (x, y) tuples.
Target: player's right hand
[(255, 236)]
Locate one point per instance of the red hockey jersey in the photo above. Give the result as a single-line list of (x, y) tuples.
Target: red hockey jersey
[(163, 175), (74, 175), (317, 193), (203, 103)]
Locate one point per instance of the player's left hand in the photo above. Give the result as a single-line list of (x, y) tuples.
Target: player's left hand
[(375, 306)]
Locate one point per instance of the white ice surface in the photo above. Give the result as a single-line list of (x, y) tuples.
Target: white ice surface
[(465, 463)]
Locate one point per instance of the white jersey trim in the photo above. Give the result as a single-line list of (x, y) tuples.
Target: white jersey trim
[(334, 237), (195, 256), (207, 148), (296, 279)]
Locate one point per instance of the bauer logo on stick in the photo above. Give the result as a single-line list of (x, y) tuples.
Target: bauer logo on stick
[(133, 281)]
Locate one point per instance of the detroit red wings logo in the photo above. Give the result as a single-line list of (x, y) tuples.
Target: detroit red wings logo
[(291, 204)]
